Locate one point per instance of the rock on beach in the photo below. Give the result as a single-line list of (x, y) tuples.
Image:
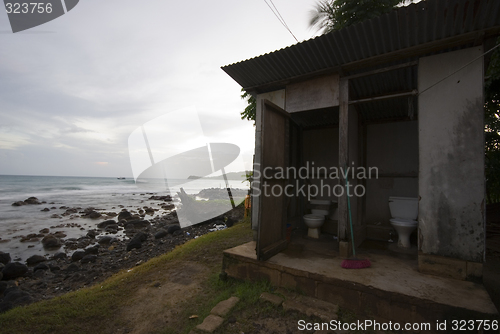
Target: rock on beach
[(28, 201), (35, 259), (95, 255), (51, 242), (14, 270), (4, 257)]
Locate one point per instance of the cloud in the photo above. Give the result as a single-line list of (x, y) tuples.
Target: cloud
[(71, 98)]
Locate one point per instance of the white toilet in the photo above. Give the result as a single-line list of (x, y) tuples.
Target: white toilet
[(314, 221), (404, 212)]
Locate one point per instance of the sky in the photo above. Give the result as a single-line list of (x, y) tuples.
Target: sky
[(73, 90)]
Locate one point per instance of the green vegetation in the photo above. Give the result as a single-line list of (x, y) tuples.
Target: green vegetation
[(331, 15), (492, 128), (101, 308), (129, 302), (251, 109), (216, 291)]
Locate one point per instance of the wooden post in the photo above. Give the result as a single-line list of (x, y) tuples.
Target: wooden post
[(344, 245)]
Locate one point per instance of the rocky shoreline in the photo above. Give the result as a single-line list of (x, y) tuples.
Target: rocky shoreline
[(92, 258)]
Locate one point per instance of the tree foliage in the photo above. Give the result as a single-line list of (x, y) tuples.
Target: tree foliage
[(330, 15), (333, 15), (492, 128), (251, 109)]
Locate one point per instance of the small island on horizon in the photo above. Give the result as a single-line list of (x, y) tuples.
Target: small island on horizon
[(230, 176)]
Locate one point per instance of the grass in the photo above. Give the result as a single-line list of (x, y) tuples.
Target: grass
[(98, 307)]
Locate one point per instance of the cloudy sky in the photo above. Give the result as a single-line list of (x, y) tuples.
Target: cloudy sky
[(73, 90)]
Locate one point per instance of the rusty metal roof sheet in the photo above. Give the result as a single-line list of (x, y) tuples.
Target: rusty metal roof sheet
[(427, 26)]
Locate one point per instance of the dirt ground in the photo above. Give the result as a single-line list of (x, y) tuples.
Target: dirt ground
[(161, 299), (157, 304)]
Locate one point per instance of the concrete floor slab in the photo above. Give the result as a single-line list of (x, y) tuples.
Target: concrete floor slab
[(391, 288)]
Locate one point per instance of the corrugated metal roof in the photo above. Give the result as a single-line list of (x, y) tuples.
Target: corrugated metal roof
[(410, 30)]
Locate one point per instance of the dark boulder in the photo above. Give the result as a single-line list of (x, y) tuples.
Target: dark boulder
[(94, 215), (137, 224), (59, 255), (166, 198), (88, 258), (35, 259), (70, 211), (4, 257), (59, 234), (136, 241), (53, 267), (105, 240), (3, 287), (124, 215), (141, 236), (140, 223), (45, 210), (92, 250), (177, 232), (73, 267), (113, 228), (77, 255), (32, 200), (92, 234), (51, 242), (105, 223), (168, 206), (18, 203), (160, 234), (44, 230), (229, 222), (173, 228), (40, 266), (14, 270), (17, 297)]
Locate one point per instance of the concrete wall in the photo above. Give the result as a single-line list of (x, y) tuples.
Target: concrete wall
[(278, 98), (321, 146), (393, 149), (313, 94), (451, 153)]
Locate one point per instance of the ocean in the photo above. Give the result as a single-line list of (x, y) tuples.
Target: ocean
[(61, 192)]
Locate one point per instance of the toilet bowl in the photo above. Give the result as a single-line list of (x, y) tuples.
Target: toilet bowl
[(314, 223), (404, 212), (320, 209)]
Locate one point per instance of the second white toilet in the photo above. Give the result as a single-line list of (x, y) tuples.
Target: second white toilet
[(314, 221), (404, 212)]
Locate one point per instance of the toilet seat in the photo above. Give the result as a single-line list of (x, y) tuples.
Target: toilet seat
[(403, 222), (314, 217)]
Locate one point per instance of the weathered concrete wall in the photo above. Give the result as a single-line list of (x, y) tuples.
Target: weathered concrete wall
[(312, 94), (278, 98), (451, 156), (393, 149), (321, 147)]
